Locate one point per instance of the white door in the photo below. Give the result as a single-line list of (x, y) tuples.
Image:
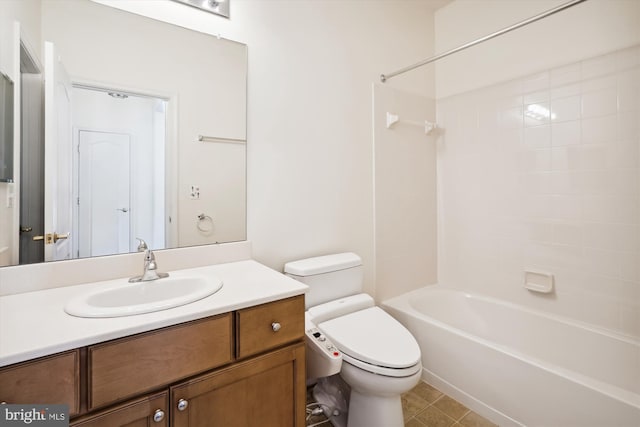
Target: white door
[(104, 208), (57, 158)]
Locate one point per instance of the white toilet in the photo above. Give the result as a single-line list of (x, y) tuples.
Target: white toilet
[(380, 358)]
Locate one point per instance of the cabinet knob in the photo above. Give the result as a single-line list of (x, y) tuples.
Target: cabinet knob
[(182, 404), (276, 326), (158, 415)]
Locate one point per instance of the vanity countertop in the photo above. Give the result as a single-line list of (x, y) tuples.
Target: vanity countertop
[(34, 324)]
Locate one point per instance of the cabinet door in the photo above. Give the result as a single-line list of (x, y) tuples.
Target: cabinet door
[(267, 391), (149, 411), (54, 379)]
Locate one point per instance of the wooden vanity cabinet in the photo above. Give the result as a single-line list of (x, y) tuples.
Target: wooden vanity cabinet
[(53, 379), (239, 369)]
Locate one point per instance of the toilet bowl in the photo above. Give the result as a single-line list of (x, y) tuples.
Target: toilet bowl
[(375, 400), (380, 358)]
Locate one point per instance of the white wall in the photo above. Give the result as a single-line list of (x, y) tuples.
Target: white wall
[(310, 130), (27, 12), (311, 70), (588, 29), (559, 194)]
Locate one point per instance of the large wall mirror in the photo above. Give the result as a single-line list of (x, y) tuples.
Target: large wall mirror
[(132, 128)]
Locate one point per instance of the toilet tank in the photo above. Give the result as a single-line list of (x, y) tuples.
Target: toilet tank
[(329, 277)]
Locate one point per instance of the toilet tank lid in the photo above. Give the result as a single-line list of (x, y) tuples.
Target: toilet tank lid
[(322, 264)]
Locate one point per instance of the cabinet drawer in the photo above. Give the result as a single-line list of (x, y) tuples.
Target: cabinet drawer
[(255, 331), (125, 367), (139, 413), (50, 380)]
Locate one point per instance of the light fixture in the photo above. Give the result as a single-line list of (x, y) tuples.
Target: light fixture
[(218, 7), (538, 112), (118, 95)]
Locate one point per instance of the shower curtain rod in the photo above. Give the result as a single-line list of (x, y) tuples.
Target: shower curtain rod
[(385, 77)]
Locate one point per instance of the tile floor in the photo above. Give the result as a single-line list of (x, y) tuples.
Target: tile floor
[(425, 406)]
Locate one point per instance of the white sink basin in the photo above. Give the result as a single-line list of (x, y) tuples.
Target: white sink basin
[(127, 299)]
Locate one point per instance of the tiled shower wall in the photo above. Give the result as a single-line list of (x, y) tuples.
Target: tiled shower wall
[(542, 173)]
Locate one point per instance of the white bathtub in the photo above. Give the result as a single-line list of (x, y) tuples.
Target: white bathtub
[(517, 366)]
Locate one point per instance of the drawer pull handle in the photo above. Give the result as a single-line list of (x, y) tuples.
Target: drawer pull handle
[(276, 326), (182, 404), (158, 415)]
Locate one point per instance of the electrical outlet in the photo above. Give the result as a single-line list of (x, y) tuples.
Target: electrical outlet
[(194, 193)]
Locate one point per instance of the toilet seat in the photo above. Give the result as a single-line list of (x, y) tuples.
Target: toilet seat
[(381, 370), (372, 340)]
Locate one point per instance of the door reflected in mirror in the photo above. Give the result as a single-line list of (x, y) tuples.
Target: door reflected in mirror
[(118, 173), (146, 137)]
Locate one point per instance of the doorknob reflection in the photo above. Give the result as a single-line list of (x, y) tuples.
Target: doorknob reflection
[(51, 238), (57, 237)]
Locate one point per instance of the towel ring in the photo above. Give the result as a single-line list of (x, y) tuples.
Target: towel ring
[(205, 223)]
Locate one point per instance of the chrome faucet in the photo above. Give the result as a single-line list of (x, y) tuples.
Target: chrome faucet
[(150, 267)]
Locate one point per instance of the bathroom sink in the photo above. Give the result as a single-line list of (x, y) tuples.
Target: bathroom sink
[(128, 299)]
